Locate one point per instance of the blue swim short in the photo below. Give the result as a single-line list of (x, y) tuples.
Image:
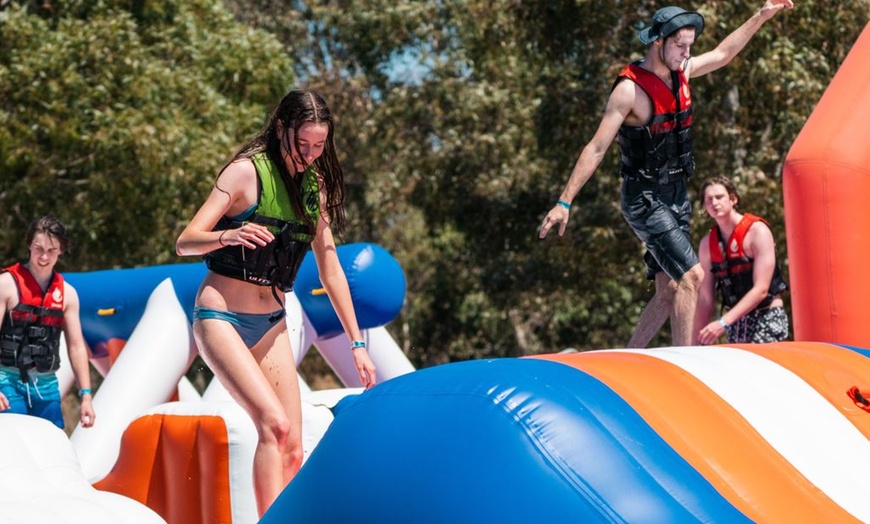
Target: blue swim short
[(39, 396)]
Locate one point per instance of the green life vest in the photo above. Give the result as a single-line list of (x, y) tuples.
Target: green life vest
[(276, 263), (274, 201)]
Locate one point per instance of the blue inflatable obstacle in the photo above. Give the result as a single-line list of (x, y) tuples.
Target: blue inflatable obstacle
[(508, 441), (377, 287), (113, 300)]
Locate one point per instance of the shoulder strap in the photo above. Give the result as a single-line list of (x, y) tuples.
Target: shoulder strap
[(740, 233), (717, 247), (274, 196)]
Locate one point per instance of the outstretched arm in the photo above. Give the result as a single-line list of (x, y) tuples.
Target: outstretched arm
[(735, 42), (619, 105)]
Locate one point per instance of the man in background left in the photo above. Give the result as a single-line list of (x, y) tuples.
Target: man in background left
[(36, 306)]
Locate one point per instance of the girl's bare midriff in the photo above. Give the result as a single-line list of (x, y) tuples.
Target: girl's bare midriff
[(230, 294)]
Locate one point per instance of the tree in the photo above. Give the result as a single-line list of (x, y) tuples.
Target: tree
[(457, 122), (118, 117), (461, 157)]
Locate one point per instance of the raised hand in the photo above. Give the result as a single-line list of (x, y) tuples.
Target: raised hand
[(770, 7)]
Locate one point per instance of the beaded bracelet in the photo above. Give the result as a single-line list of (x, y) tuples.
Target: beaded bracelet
[(356, 344), (84, 391), (566, 205)]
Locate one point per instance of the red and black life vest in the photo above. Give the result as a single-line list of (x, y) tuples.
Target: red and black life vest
[(30, 333), (661, 150), (733, 269)]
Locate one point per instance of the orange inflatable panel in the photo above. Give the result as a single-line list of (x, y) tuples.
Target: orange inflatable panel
[(826, 185), (179, 468)]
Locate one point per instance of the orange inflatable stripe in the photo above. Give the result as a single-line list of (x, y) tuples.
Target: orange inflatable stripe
[(712, 436), (176, 465), (831, 370), (114, 346)]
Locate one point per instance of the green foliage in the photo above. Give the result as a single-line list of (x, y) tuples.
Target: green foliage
[(118, 119), (461, 161), (451, 162)]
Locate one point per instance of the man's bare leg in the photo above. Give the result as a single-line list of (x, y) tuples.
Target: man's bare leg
[(685, 300), (656, 312)]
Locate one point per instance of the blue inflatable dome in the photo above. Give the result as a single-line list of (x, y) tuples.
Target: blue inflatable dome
[(508, 441)]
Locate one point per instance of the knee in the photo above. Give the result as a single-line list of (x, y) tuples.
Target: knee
[(691, 279), (666, 289), (293, 456), (666, 296), (278, 431), (275, 430)]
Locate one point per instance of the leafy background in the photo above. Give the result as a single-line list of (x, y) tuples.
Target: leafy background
[(458, 123)]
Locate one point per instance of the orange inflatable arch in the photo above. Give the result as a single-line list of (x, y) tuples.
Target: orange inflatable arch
[(826, 184)]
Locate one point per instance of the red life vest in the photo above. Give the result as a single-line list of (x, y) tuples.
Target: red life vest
[(660, 151), (733, 269), (30, 333)]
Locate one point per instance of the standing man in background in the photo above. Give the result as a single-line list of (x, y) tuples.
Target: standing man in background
[(36, 305), (652, 116)]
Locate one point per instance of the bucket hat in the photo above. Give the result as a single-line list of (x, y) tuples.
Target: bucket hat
[(667, 20)]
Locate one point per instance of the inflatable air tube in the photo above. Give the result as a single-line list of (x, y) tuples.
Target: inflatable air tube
[(510, 441), (826, 181), (747, 433), (146, 374), (377, 287), (112, 301)]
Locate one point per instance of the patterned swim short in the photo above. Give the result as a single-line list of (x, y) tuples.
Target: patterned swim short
[(766, 325)]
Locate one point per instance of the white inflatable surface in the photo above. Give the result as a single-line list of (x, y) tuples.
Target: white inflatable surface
[(387, 356), (158, 353), (41, 481), (151, 369)]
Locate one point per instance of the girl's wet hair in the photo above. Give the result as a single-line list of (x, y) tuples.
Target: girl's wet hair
[(294, 110)]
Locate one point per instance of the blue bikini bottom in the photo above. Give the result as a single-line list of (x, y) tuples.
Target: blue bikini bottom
[(250, 326)]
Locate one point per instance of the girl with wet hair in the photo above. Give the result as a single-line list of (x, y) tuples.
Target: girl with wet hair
[(281, 194)]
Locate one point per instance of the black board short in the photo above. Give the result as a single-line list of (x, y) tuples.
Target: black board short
[(660, 216)]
